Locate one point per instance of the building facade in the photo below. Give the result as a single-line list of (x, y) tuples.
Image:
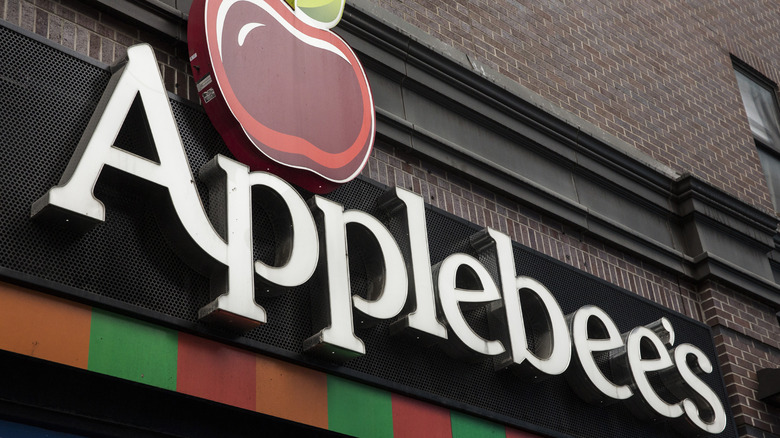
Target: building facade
[(627, 149)]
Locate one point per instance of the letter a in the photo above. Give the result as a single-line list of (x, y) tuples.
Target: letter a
[(73, 204)]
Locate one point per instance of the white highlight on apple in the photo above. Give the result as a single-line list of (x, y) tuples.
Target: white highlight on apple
[(245, 31), (306, 39)]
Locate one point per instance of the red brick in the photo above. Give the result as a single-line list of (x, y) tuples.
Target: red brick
[(82, 41), (12, 11), (27, 17), (94, 46), (86, 21), (46, 5)]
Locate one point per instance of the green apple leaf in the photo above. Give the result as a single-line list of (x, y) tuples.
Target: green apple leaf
[(323, 14)]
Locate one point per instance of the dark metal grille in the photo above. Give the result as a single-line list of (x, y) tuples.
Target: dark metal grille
[(46, 99)]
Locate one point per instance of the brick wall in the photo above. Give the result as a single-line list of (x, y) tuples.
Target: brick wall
[(650, 72), (747, 337), (740, 358), (655, 73), (101, 36)]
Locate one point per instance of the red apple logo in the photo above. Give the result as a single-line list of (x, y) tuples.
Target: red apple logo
[(287, 96)]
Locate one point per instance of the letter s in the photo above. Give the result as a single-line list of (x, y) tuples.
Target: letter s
[(702, 406)]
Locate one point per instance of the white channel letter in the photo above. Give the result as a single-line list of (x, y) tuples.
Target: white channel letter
[(73, 204), (421, 321), (585, 378), (524, 297), (648, 404), (703, 408), (451, 296), (388, 282), (237, 309)]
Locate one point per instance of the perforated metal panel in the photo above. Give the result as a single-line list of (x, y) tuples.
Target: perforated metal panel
[(46, 99)]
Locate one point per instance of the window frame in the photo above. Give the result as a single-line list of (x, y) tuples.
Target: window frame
[(768, 154)]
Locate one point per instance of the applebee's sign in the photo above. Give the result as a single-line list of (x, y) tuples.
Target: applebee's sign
[(287, 95), (316, 235)]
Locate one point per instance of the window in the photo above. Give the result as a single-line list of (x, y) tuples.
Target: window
[(759, 98)]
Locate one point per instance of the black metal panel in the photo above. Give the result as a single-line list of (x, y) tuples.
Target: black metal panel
[(769, 386), (46, 99)]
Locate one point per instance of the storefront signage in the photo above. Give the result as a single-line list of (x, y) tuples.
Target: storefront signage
[(602, 364), (287, 95)]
